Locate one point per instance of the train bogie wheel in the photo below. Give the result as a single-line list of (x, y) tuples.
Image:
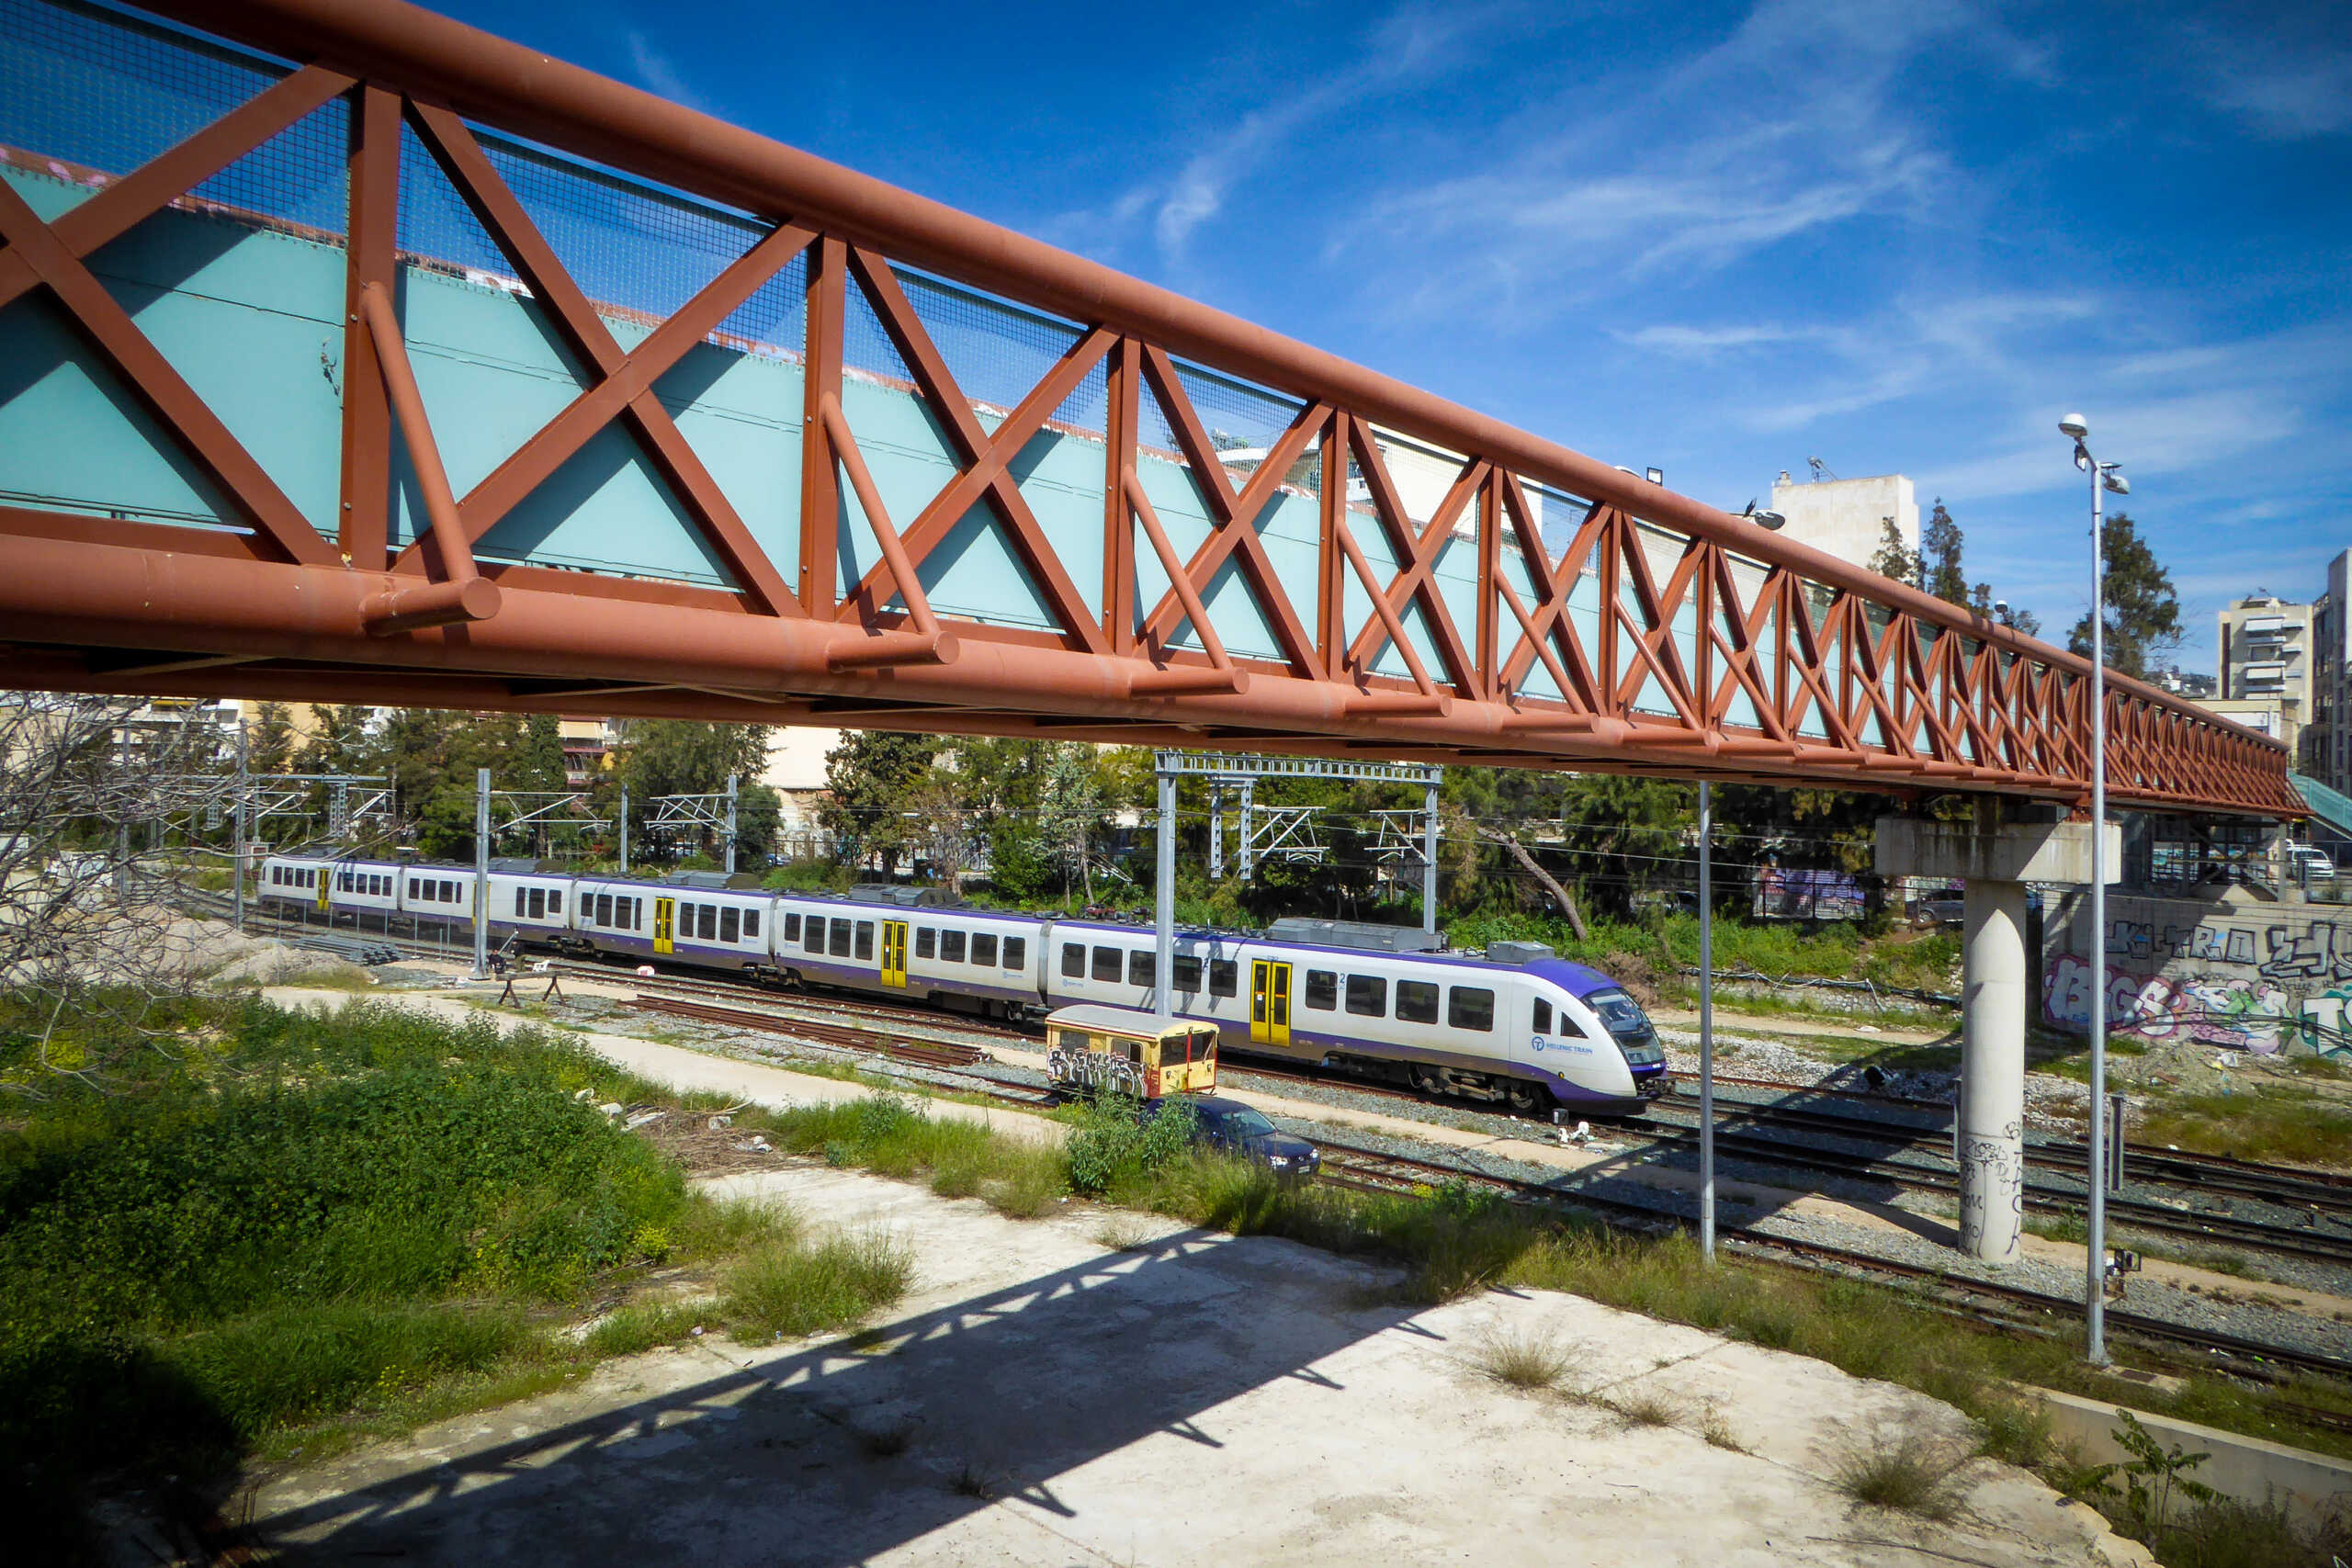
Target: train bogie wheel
[(1526, 1098)]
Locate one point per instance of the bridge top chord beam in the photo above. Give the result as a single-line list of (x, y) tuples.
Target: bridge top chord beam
[(712, 310)]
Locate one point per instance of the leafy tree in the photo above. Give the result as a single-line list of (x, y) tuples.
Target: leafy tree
[(685, 756), (1894, 558), (269, 746), (2143, 612), (871, 779)]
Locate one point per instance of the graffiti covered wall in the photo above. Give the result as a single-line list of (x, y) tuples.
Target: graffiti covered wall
[(2244, 976)]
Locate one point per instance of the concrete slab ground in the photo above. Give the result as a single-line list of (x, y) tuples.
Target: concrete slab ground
[(1043, 1398)]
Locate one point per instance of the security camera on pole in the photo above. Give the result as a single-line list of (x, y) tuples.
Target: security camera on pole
[(2105, 477)]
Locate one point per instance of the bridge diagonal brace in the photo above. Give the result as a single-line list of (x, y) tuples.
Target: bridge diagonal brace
[(946, 399), (1221, 675), (124, 204), (1551, 583), (495, 206), (533, 463), (1233, 518), (166, 393), (1416, 558), (926, 644)]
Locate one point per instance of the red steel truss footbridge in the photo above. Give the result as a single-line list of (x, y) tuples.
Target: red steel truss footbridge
[(350, 353)]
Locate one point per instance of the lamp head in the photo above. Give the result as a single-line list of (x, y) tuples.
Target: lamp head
[(2115, 482), (2073, 428), (2001, 608), (1772, 522)]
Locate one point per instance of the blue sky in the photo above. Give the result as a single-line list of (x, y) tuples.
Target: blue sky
[(1720, 240)]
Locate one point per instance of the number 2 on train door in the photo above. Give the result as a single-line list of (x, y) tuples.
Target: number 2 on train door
[(665, 924), (1269, 1002), (894, 953)]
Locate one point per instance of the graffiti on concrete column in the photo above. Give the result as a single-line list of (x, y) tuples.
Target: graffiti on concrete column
[(1992, 1192)]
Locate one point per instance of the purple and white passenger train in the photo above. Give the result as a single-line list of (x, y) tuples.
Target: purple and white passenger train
[(1513, 1025)]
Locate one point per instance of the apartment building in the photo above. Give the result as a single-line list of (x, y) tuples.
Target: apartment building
[(2265, 675)]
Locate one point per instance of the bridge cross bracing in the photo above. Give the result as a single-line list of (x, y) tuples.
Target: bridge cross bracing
[(350, 353)]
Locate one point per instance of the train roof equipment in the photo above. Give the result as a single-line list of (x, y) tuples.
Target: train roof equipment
[(1364, 934)]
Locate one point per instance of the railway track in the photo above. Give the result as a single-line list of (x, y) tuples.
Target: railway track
[(1377, 1170)]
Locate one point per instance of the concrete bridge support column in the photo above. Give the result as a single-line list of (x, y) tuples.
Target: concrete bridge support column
[(1996, 858), (1993, 1013)]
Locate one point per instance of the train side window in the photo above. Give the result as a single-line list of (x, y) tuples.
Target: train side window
[(1322, 989), (792, 927), (816, 942), (1368, 995), (926, 941), (1106, 963), (865, 939), (984, 949), (1415, 1001), (411, 886), (750, 925), (1543, 1016), (555, 902), (731, 924), (708, 919), (1142, 968), (1016, 952), (1470, 1006), (448, 893), (951, 947), (1187, 976), (1073, 960), (538, 903), (600, 911), (837, 940), (1225, 977)]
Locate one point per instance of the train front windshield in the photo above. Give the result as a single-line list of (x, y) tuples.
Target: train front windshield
[(1628, 1025)]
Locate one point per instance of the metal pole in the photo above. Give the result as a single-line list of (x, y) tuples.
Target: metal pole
[(730, 824), (1706, 1024), (1248, 826), (2115, 1142), (1163, 969), (237, 854), (623, 829), (481, 873), (1217, 832), (1429, 860), (2095, 1266)]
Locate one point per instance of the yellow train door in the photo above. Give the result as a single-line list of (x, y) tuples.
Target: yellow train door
[(1269, 1002), (665, 924), (326, 889), (894, 953)]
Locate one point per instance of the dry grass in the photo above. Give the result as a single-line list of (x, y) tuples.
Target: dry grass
[(976, 1480), (1649, 1407), (1916, 1474), (1126, 1233), (1715, 1426), (1533, 1360)]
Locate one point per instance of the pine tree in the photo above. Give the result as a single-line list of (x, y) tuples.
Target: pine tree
[(2143, 612)]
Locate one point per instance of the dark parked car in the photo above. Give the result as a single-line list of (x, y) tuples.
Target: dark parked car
[(1236, 1129)]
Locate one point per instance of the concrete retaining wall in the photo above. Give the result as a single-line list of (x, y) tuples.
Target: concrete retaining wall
[(2246, 1469), (2240, 975)]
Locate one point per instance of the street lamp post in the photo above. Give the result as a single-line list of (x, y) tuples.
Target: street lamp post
[(2105, 477)]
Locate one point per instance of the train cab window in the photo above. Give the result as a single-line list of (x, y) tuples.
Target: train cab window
[(1543, 1010), (792, 927), (1322, 989), (951, 947), (984, 949), (708, 922), (538, 903), (837, 941), (816, 942), (1016, 952), (1470, 1006), (926, 942), (1415, 1001), (864, 939), (1225, 977), (1073, 960), (731, 924), (1187, 974), (1107, 963), (1368, 995), (1142, 968)]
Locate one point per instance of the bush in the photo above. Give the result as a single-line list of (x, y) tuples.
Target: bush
[(791, 1289), (1114, 1145)]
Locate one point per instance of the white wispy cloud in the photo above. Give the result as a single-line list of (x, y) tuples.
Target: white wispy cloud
[(658, 74)]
